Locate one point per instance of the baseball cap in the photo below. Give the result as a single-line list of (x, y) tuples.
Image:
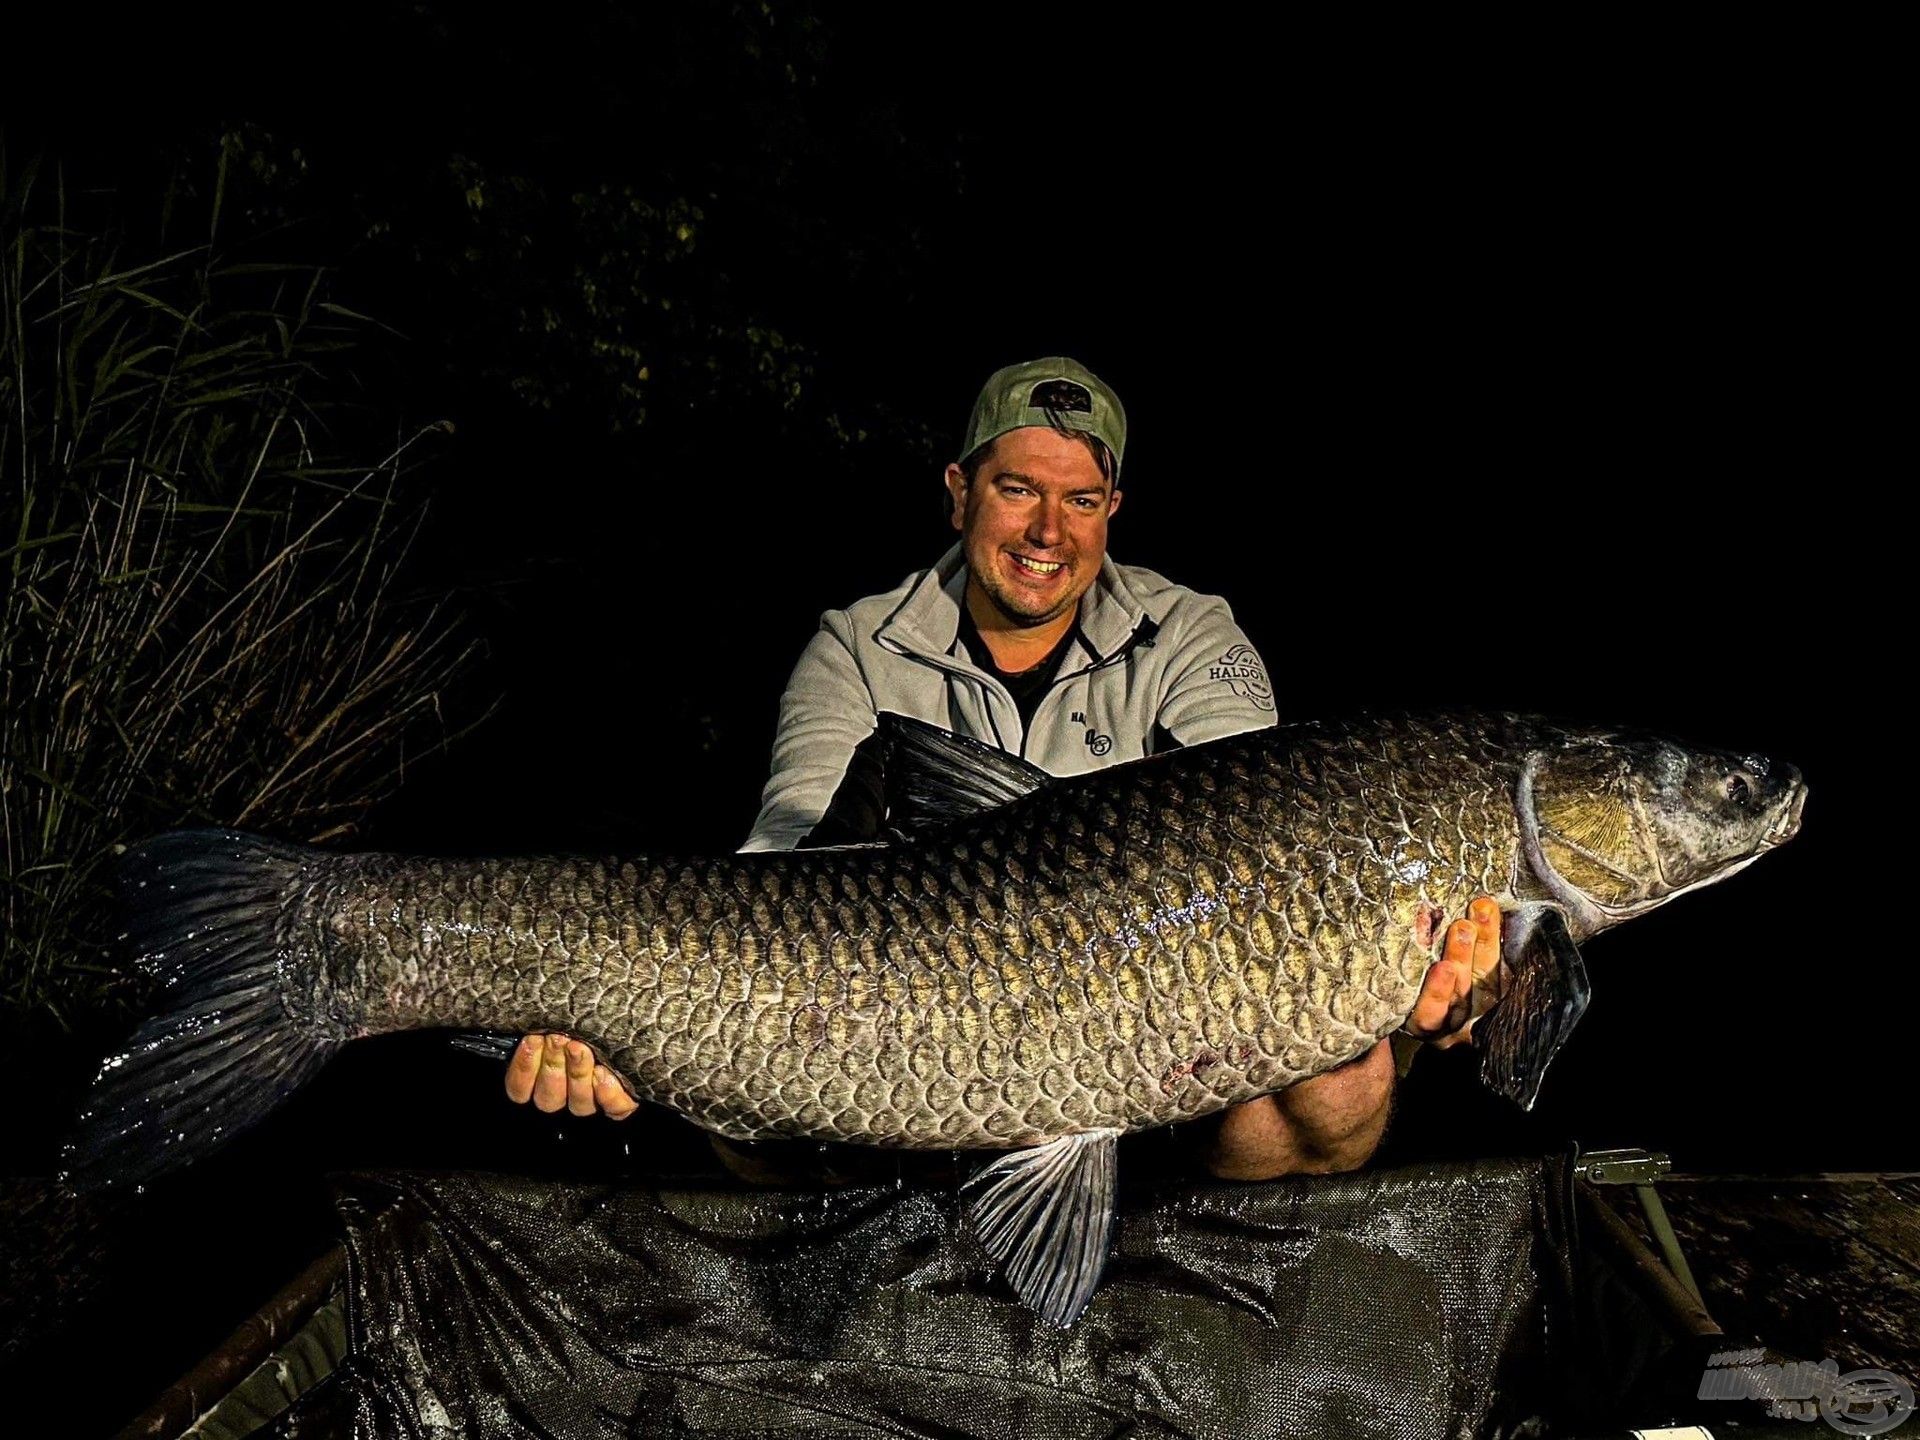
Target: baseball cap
[(1053, 391)]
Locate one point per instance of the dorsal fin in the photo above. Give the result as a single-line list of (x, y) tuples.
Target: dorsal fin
[(934, 777)]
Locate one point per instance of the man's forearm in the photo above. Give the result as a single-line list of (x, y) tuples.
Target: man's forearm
[(1331, 1122)]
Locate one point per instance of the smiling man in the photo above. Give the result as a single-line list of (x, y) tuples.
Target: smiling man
[(1029, 637), (1025, 635), (1032, 511)]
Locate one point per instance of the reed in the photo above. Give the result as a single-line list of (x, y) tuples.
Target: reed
[(203, 612)]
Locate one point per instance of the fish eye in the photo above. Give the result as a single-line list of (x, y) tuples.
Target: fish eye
[(1739, 789)]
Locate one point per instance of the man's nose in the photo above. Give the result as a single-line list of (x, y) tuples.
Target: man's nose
[(1044, 525)]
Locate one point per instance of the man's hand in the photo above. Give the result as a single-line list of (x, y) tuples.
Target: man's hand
[(1443, 1015), (1334, 1121), (552, 1071)]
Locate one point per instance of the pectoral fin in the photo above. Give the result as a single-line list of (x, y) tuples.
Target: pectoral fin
[(1545, 994), (1045, 1214), (490, 1044)]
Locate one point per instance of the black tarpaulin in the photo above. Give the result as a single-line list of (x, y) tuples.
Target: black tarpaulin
[(1428, 1302)]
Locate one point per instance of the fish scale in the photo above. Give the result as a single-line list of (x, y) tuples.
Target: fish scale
[(877, 995), (1026, 964)]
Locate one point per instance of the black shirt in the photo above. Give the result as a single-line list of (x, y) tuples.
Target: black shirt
[(1025, 686)]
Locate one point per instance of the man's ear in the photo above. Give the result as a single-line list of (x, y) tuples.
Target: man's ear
[(1113, 504), (957, 494)]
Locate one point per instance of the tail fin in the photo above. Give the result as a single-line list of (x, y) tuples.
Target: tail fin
[(204, 912)]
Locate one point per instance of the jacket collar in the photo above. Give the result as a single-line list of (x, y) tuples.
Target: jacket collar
[(927, 621)]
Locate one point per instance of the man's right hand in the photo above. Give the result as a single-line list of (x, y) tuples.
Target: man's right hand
[(552, 1071)]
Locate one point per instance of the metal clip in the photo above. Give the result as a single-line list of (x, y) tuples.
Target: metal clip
[(1640, 1168), (1622, 1167)]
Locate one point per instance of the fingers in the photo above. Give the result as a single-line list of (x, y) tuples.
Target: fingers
[(1489, 980), (1442, 1006), (553, 1071), (1485, 914), (524, 1068), (550, 1086), (1461, 938), (611, 1095), (579, 1078), (1470, 962)]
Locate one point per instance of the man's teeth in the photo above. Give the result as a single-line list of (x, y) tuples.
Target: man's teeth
[(1039, 567)]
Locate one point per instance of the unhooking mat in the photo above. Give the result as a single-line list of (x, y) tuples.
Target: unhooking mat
[(1427, 1302)]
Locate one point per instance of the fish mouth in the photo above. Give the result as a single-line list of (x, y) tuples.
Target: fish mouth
[(1787, 824)]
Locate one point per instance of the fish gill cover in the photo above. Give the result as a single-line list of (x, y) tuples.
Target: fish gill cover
[(1109, 953)]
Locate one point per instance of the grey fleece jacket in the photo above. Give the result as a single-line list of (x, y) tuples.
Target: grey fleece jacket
[(1152, 665)]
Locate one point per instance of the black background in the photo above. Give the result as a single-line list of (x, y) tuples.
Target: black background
[(1505, 370)]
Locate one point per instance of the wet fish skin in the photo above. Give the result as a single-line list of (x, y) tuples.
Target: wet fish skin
[(1128, 949), (1033, 966), (1137, 948), (1121, 950)]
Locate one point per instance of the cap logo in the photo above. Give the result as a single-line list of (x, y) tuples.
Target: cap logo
[(1060, 395)]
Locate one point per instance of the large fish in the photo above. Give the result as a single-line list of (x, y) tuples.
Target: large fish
[(1028, 964)]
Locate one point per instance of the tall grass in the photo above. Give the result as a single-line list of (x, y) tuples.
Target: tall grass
[(201, 615)]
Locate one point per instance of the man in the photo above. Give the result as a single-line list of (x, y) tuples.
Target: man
[(1028, 637)]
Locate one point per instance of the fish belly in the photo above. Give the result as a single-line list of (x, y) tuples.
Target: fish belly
[(1119, 957)]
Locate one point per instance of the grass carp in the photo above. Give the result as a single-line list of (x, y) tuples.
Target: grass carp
[(1026, 964)]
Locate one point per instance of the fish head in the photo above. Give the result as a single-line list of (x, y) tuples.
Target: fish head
[(1621, 823)]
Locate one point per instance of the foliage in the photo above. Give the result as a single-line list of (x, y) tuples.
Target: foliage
[(203, 618)]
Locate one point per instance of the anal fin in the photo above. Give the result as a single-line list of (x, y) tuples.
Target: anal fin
[(1545, 994), (1045, 1215)]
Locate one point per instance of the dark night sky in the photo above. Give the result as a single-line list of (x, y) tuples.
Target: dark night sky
[(1511, 369), (1526, 376)]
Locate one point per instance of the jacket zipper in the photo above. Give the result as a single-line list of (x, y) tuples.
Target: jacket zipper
[(1140, 632), (987, 683)]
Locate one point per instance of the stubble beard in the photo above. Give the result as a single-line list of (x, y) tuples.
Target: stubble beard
[(1006, 604)]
